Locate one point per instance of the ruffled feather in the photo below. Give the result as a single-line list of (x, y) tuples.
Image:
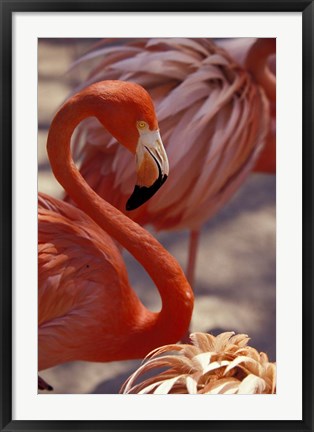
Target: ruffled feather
[(224, 364)]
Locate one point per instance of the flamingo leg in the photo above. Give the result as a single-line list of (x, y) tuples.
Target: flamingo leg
[(190, 271), (193, 248)]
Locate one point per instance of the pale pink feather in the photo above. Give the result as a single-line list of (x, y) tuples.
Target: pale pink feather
[(213, 119)]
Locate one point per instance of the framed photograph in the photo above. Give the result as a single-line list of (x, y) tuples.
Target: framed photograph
[(162, 151)]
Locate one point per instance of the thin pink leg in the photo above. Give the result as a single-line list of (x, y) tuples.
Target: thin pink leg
[(193, 247), (190, 272)]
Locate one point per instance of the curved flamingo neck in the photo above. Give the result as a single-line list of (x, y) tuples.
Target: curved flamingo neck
[(176, 294), (257, 64)]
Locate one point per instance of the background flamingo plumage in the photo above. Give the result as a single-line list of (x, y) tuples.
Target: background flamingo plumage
[(215, 121)]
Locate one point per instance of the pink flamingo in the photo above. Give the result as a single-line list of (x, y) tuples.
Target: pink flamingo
[(215, 118), (87, 309)]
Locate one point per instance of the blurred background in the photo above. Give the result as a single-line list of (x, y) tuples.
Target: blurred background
[(235, 280)]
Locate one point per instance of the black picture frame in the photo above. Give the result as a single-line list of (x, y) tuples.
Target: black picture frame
[(7, 9)]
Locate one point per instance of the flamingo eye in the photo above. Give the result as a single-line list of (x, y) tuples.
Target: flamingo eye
[(141, 125)]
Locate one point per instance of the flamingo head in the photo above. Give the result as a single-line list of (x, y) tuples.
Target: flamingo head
[(130, 117), (152, 165)]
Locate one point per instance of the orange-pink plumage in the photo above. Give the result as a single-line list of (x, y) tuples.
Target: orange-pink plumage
[(87, 309)]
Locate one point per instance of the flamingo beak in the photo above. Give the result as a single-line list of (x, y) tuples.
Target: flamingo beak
[(152, 168)]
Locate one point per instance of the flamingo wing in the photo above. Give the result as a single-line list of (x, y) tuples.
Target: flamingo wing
[(82, 283)]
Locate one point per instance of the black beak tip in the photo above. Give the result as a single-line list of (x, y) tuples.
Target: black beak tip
[(141, 194)]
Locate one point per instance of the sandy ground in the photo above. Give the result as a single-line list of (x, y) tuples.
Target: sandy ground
[(235, 284)]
